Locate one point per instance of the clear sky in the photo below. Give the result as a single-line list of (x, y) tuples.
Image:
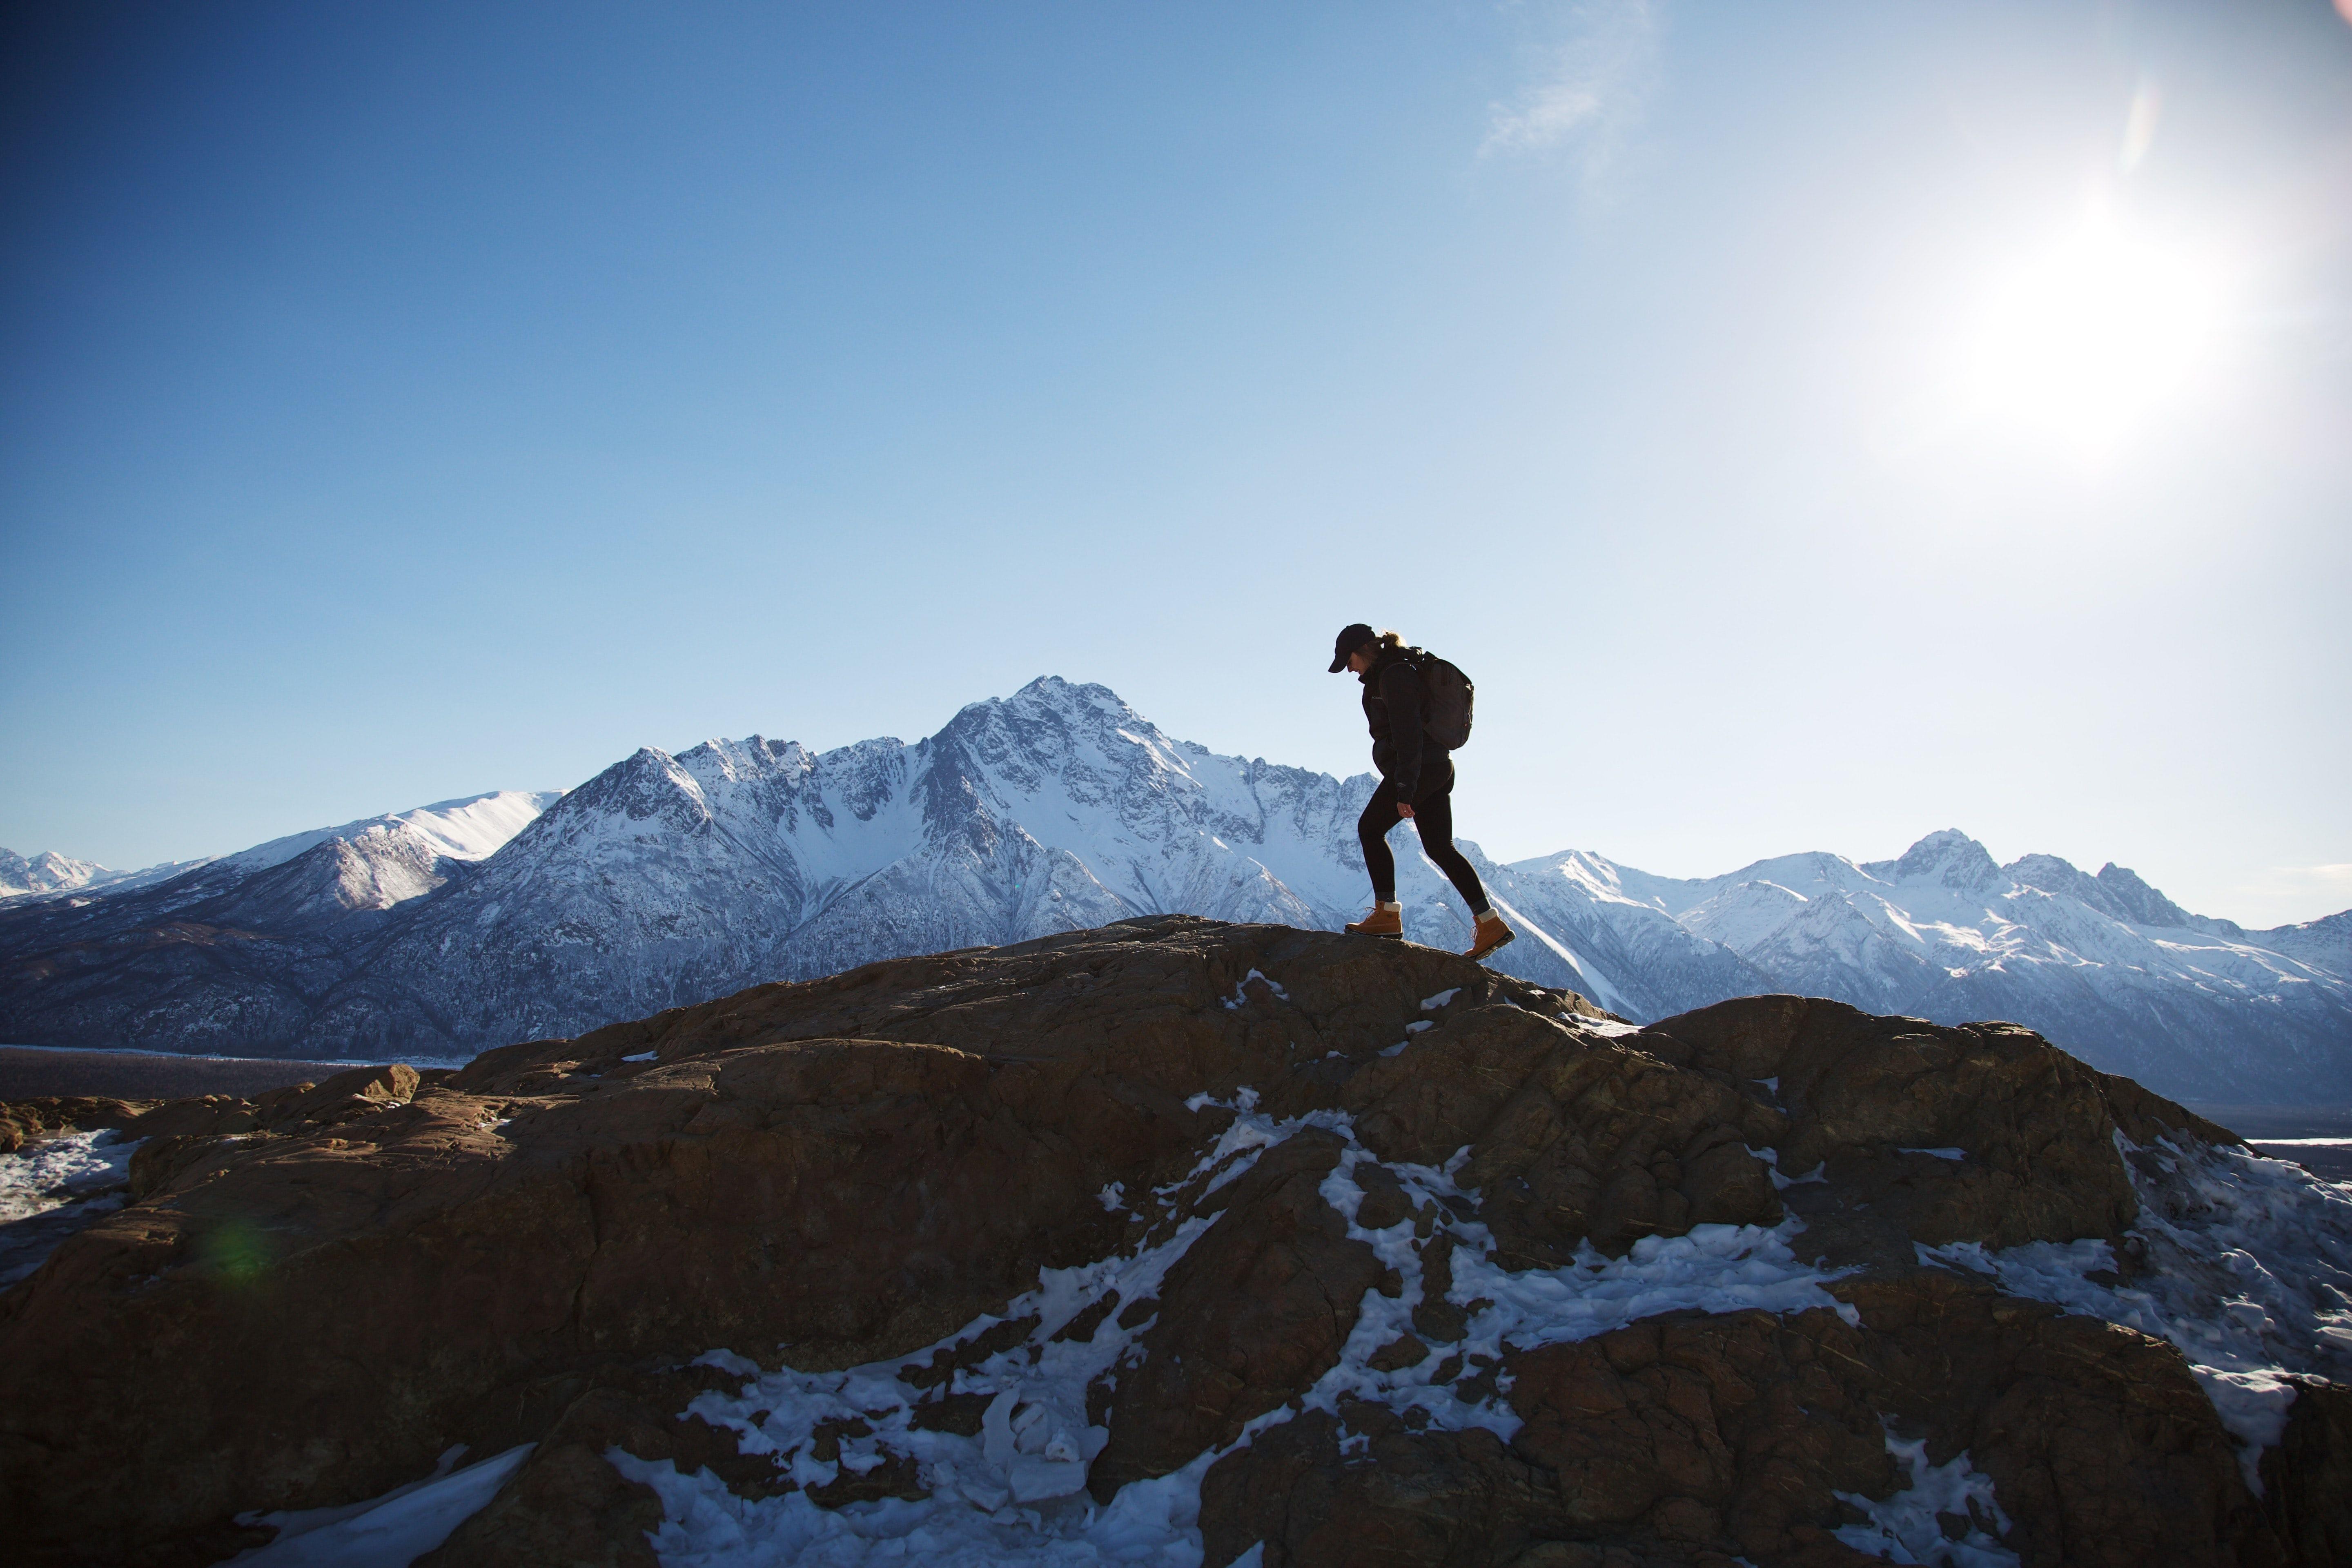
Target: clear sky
[(1812, 425)]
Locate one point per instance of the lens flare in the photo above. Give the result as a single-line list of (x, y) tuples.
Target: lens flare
[(2084, 342)]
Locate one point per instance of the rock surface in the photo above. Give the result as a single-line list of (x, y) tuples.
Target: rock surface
[(24, 1122), (1345, 1247)]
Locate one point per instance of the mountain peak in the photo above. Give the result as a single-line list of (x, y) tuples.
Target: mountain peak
[(47, 872), (1052, 691), (1946, 856), (2141, 904)]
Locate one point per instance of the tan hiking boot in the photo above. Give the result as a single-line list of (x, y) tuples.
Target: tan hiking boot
[(1386, 920), (1491, 935)]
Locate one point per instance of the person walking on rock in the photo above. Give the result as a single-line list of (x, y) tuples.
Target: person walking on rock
[(1416, 784)]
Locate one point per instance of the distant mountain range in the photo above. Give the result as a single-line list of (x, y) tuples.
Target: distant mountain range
[(669, 879), (50, 872)]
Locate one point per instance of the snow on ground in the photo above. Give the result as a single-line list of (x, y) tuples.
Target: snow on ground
[(2247, 1270), (2247, 1265), (51, 1189), (1904, 1527), (1713, 1268), (388, 1531), (73, 1166), (1016, 1493), (2330, 1158)]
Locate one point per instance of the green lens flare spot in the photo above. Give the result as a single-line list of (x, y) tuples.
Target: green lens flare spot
[(237, 1251)]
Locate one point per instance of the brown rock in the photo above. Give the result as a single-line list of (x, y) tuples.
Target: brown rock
[(1400, 1351), (1404, 1498), (1384, 1197), (1575, 1137), (1434, 1316), (161, 1162), (27, 1120), (208, 1116), (2032, 1122), (958, 1413), (2308, 1477)]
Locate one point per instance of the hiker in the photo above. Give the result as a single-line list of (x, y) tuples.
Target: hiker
[(1416, 783)]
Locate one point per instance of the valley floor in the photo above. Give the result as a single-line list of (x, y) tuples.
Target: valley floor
[(29, 1072)]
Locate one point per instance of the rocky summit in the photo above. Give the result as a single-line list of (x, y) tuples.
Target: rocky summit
[(1178, 1242)]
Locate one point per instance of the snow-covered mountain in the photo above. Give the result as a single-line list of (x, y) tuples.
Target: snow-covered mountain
[(237, 953), (52, 875), (669, 879), (2104, 965), (471, 828)]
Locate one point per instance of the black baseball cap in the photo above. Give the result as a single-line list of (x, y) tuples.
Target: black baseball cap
[(1350, 639)]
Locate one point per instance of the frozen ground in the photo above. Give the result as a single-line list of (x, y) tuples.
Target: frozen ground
[(50, 1190), (2245, 1264), (1904, 1527), (389, 1531)]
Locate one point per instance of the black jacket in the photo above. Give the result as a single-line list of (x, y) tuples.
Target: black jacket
[(1401, 751)]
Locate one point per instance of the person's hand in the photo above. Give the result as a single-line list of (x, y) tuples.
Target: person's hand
[(1403, 810)]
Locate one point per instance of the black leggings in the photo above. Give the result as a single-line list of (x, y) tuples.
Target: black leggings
[(1433, 815)]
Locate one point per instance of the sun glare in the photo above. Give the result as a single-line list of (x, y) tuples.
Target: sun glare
[(2081, 344)]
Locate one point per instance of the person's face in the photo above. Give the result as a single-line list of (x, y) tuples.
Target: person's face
[(1361, 659)]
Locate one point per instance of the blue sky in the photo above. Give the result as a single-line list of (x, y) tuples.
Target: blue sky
[(398, 401)]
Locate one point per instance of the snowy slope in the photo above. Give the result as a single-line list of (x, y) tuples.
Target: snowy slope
[(667, 880), (2324, 944), (471, 828), (1638, 959), (2106, 965)]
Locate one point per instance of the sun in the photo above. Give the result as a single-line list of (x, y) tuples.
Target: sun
[(2084, 342)]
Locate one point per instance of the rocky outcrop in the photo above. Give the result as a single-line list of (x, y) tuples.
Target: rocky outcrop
[(1346, 1250), (24, 1122)]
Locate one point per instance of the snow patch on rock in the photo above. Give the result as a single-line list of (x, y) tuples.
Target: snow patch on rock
[(2246, 1267), (1909, 1527), (1016, 1493), (387, 1531), (51, 1189)]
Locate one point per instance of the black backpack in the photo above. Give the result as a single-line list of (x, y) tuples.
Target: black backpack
[(1446, 713)]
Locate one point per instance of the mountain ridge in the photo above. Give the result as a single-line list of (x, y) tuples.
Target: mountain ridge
[(668, 879)]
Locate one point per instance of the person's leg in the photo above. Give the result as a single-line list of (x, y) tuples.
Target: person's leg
[(1435, 817), (1372, 833)]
